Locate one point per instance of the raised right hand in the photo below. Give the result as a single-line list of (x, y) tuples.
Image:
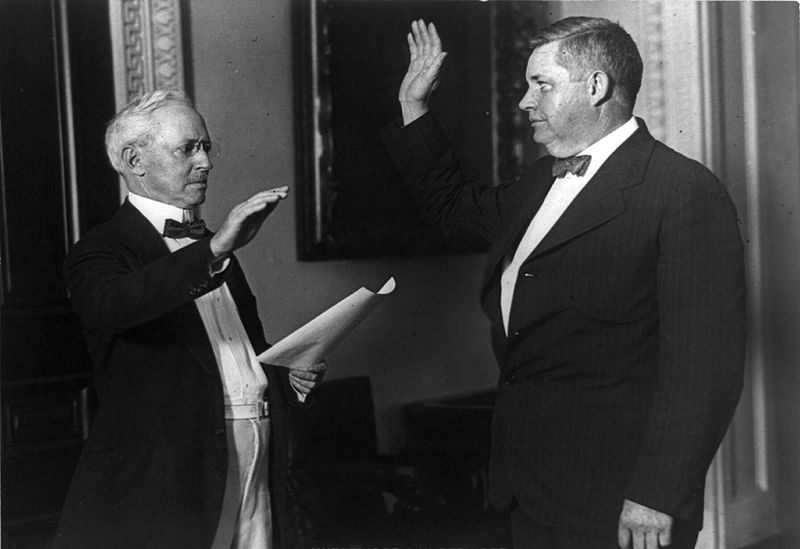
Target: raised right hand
[(245, 220), (422, 76)]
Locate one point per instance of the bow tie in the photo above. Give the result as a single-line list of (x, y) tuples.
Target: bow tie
[(187, 229), (574, 164)]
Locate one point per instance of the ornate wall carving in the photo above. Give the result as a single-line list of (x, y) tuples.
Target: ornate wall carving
[(147, 47), (654, 73)]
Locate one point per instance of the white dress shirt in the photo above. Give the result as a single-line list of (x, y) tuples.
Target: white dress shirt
[(245, 518), (243, 378), (558, 199)]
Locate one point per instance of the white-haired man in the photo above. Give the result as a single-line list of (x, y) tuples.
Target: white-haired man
[(188, 421)]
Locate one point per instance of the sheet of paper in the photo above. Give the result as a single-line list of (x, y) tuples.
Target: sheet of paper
[(311, 343)]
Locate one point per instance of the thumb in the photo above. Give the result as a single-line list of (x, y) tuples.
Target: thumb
[(665, 538), (623, 536), (434, 67)]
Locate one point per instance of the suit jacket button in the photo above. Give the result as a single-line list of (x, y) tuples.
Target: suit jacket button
[(220, 431), (511, 379)]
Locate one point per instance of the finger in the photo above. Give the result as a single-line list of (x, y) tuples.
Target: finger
[(651, 539), (412, 47), (243, 211), (249, 216), (264, 197), (279, 191), (318, 367), (417, 37), (623, 537), (665, 537), (436, 43), (306, 375), (303, 384), (426, 38), (270, 195), (638, 540), (299, 387)]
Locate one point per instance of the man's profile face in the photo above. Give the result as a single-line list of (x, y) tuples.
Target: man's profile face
[(176, 162), (559, 110)]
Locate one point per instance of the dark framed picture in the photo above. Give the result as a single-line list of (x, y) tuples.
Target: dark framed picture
[(350, 57)]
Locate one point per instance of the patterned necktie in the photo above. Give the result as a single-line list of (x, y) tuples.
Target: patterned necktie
[(573, 164), (187, 229)]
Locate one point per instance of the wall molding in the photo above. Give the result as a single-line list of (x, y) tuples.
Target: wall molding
[(655, 62), (147, 50), (146, 46)]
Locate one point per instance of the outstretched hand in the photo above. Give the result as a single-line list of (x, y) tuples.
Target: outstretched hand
[(245, 220), (422, 77), (643, 528)]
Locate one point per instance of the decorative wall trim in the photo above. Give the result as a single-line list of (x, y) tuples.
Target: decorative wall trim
[(147, 50), (756, 360), (147, 47), (71, 201), (654, 68)]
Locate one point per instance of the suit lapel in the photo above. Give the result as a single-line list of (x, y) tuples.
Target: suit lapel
[(533, 189), (138, 234), (601, 199)]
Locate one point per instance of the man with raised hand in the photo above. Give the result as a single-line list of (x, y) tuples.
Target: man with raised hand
[(615, 289)]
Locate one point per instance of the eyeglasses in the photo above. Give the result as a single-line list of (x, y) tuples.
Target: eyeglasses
[(193, 146)]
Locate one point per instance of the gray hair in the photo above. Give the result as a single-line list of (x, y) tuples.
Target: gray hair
[(594, 43), (133, 123)]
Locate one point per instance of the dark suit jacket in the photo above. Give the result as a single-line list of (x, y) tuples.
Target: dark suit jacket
[(624, 359), (153, 469)]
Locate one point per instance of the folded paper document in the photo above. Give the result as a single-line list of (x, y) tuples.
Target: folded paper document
[(311, 343)]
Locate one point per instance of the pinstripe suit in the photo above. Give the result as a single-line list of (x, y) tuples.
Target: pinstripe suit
[(625, 352)]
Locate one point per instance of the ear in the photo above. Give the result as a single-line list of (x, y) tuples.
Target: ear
[(133, 160), (599, 86)]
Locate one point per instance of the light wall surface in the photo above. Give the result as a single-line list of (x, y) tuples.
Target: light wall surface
[(430, 337)]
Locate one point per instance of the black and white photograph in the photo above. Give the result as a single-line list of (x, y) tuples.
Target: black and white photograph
[(399, 274)]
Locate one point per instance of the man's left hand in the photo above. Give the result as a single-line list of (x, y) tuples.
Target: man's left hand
[(643, 528), (305, 381)]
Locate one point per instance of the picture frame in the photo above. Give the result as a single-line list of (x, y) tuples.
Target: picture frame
[(350, 57)]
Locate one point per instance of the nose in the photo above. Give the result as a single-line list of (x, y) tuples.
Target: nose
[(528, 100), (203, 160)]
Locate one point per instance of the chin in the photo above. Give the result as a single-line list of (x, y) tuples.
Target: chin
[(195, 202)]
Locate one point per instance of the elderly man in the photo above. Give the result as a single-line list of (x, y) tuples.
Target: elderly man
[(189, 441), (615, 289)]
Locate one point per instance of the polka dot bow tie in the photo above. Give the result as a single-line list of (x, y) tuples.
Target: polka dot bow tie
[(573, 164), (187, 229)]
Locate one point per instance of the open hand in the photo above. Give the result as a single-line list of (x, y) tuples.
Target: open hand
[(643, 528), (421, 79), (245, 220)]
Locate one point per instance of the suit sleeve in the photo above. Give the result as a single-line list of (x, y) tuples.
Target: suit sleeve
[(111, 292), (459, 208), (701, 300)]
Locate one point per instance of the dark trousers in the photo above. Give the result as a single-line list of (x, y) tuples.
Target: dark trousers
[(527, 533)]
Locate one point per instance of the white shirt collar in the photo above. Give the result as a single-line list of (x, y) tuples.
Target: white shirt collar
[(158, 212), (605, 147)]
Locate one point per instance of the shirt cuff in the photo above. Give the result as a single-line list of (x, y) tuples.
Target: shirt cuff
[(218, 266)]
